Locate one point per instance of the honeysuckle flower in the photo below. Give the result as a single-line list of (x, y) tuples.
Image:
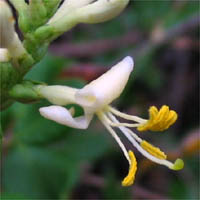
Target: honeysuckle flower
[(95, 98), (9, 38)]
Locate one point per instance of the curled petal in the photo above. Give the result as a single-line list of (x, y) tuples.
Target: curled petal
[(107, 87), (129, 179), (159, 120), (63, 116)]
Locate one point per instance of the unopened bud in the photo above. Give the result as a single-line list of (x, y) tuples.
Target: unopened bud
[(7, 21), (101, 11), (86, 11)]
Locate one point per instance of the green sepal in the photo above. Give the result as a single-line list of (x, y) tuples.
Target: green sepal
[(25, 92), (24, 22), (44, 33), (9, 77), (36, 48), (51, 6)]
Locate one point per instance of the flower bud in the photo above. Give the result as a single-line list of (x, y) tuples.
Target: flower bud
[(101, 11), (7, 21), (86, 11)]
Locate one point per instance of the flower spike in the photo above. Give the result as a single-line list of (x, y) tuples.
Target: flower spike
[(159, 120)]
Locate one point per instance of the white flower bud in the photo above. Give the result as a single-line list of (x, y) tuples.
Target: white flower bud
[(7, 21), (8, 36), (67, 7), (100, 11), (86, 11)]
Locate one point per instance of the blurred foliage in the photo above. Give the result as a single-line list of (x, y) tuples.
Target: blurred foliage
[(44, 160)]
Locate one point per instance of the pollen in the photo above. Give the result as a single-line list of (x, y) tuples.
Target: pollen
[(159, 120), (155, 151), (129, 179)]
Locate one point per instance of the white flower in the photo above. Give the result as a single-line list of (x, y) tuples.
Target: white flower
[(95, 98)]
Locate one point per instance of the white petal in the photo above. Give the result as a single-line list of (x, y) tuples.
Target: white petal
[(61, 115), (106, 88)]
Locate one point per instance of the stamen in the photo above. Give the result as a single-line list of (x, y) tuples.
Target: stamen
[(172, 117), (120, 124), (129, 179), (159, 120), (102, 118), (121, 127), (167, 163), (126, 116), (155, 151)]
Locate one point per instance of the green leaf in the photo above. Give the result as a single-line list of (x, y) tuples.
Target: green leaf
[(36, 173), (50, 171), (47, 69), (31, 127), (113, 189)]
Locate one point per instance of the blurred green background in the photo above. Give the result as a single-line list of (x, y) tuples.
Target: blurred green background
[(45, 160)]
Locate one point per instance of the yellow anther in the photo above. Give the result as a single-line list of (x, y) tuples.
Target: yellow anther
[(129, 179), (155, 151), (159, 120)]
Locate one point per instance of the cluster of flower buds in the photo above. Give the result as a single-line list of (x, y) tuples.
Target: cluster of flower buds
[(40, 22)]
